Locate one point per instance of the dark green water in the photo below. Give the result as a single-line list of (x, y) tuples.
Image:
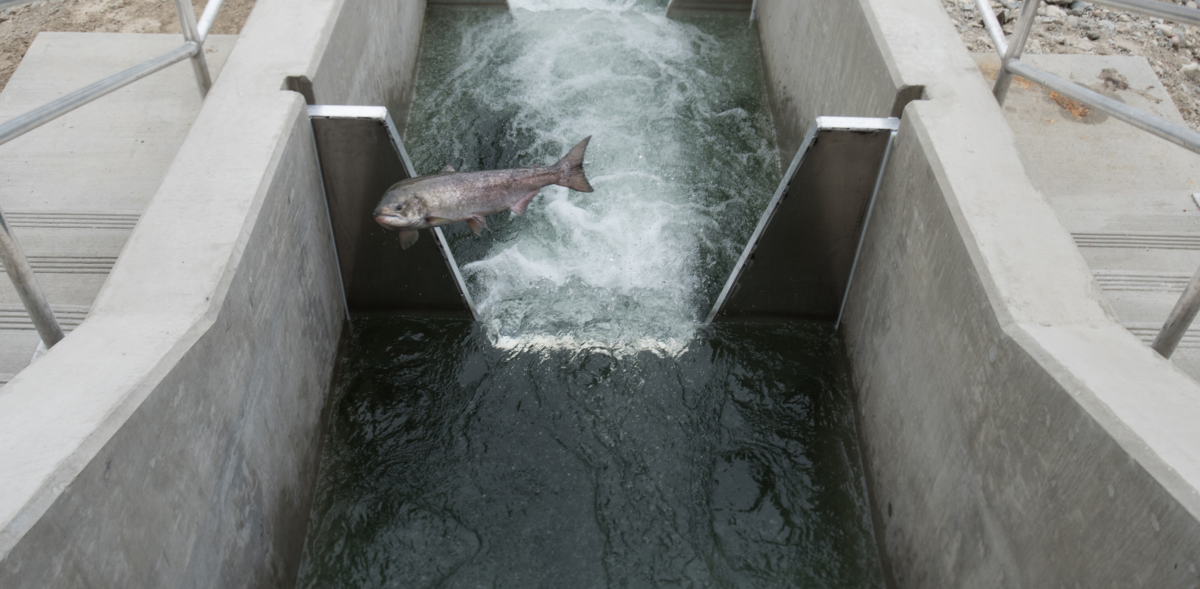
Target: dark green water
[(588, 431), (451, 463)]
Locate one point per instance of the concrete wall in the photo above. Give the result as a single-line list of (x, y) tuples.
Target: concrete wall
[(370, 56), (1015, 434), (850, 78), (171, 439)]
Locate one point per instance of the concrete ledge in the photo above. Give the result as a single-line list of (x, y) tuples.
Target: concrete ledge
[(1015, 433), (172, 438), (74, 188)]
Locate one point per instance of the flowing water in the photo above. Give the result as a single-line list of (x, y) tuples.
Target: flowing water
[(588, 432), (682, 158)]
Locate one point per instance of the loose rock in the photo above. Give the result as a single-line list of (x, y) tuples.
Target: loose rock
[(1191, 71), (1078, 27)]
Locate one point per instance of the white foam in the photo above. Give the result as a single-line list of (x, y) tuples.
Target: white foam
[(533, 342), (630, 266)]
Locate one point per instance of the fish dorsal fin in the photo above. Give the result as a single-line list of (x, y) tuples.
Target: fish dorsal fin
[(522, 204), (449, 169), (476, 223), (408, 237)]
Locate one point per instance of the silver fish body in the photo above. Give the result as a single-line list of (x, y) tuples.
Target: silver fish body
[(449, 196)]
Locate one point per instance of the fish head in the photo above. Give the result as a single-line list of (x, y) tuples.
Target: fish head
[(408, 213)]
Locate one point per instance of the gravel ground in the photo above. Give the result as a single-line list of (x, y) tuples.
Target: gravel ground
[(18, 26), (1079, 27)]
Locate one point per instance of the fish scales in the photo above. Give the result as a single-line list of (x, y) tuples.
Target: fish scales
[(449, 196)]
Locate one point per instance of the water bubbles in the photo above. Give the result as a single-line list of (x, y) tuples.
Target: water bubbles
[(682, 159)]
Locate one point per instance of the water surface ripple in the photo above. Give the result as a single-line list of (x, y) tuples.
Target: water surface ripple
[(589, 432), (450, 462)]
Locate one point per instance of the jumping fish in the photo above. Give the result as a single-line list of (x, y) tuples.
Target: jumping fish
[(449, 196)]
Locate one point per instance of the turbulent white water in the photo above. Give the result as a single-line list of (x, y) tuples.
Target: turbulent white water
[(682, 158), (588, 434)]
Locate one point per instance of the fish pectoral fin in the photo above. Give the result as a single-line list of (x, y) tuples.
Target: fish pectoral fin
[(449, 169), (522, 204), (476, 223), (408, 237), (438, 221)]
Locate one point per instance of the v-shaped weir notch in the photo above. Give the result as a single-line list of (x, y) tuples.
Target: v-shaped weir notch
[(799, 261), (361, 156)]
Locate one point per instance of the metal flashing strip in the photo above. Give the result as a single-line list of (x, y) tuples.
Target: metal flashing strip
[(803, 270), (377, 275)]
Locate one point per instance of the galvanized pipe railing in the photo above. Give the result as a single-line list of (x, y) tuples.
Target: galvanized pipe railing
[(191, 36), (21, 275), (1015, 47), (15, 264), (1010, 50), (41, 115), (1163, 10), (207, 17), (994, 28)]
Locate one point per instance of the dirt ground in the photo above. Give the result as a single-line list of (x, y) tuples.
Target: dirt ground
[(18, 26), (1079, 27), (1063, 26)]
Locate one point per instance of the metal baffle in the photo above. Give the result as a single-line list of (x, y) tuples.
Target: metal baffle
[(677, 8), (798, 262), (361, 156), (475, 3)]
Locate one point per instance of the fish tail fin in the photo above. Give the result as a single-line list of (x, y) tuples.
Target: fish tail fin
[(571, 168)]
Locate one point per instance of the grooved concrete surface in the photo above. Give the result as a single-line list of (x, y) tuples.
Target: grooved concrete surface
[(1125, 195), (74, 188)]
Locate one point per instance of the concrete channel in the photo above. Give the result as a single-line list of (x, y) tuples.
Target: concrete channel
[(1015, 433)]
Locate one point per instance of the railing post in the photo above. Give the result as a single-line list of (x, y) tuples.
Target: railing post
[(187, 22), (1016, 46), (1180, 318), (21, 275), (994, 29), (207, 18)]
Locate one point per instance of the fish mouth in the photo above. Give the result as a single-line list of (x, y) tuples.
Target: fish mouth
[(394, 222)]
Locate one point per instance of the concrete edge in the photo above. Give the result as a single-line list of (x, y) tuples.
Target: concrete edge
[(1154, 433), (1041, 291), (58, 413)]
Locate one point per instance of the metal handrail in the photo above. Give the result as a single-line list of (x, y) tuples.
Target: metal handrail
[(15, 263), (207, 17), (1010, 53)]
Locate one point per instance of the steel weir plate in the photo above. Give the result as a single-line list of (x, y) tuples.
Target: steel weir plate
[(798, 262), (361, 156)]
